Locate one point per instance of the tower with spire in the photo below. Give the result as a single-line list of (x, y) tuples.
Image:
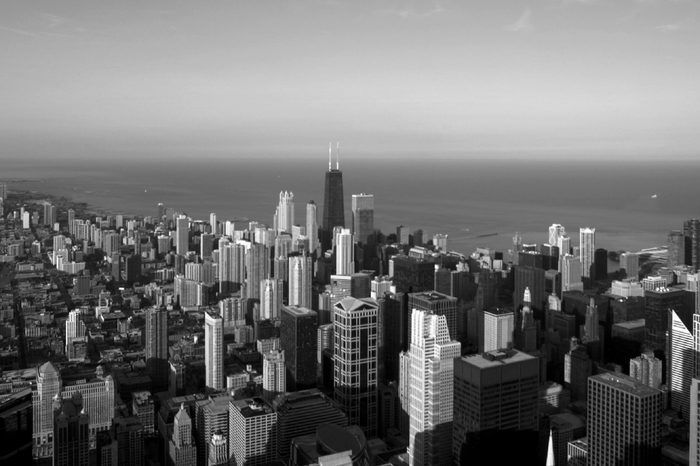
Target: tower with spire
[(333, 204), (182, 448)]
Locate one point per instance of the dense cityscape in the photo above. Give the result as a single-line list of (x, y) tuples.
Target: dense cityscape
[(318, 339)]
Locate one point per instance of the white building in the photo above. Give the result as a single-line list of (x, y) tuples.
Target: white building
[(214, 351)]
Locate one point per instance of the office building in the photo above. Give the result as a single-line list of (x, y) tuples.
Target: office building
[(214, 351), (565, 427), (556, 232), (412, 274), (300, 413), (71, 432), (587, 250), (647, 369), (691, 233), (271, 291), (300, 282), (680, 362), (624, 421), (499, 325), (156, 345), (75, 328), (344, 253), (298, 335), (252, 432), (333, 204), (439, 303), (183, 451), (257, 265), (571, 273), (182, 232), (143, 409), (629, 262), (657, 302), (218, 450), (495, 404), (355, 361), (577, 368), (694, 451), (362, 217), (274, 374), (430, 380), (232, 263), (284, 215)]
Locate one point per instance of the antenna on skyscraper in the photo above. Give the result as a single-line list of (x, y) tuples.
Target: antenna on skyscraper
[(330, 151), (337, 156)]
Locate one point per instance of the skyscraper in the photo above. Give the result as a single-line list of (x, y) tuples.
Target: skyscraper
[(344, 253), (694, 456), (271, 291), (274, 374), (156, 345), (214, 351), (495, 406), (430, 389), (300, 280), (183, 451), (75, 328), (441, 304), (285, 212), (182, 235), (680, 363), (312, 227), (624, 421), (691, 232), (257, 264), (362, 216), (498, 329), (253, 432), (629, 261), (556, 232), (71, 432), (333, 205), (646, 369), (355, 361), (587, 249), (218, 450), (298, 339)]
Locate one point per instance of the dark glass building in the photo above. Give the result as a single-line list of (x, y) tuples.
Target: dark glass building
[(298, 341)]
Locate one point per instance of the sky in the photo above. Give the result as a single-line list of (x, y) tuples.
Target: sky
[(612, 79)]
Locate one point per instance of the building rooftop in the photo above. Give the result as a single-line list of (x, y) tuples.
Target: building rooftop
[(497, 358), (432, 296), (252, 407), (626, 384), (299, 311), (631, 324)]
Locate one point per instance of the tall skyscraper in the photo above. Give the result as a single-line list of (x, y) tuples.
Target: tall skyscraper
[(680, 363), (691, 232), (213, 224), (271, 291), (312, 227), (430, 389), (214, 351), (300, 282), (355, 361), (333, 205), (218, 450), (495, 405), (571, 273), (499, 325), (182, 235), (257, 264), (285, 212), (274, 374), (71, 432), (156, 345), (344, 253), (362, 216), (629, 261), (298, 339), (587, 249), (75, 328), (624, 421), (232, 263), (694, 456), (441, 304), (556, 232), (183, 451), (577, 369), (646, 369)]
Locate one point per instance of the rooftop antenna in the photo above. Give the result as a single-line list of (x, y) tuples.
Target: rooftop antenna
[(337, 156), (330, 150)]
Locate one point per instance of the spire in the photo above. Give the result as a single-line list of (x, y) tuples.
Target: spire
[(551, 459), (330, 152), (527, 299), (337, 156)]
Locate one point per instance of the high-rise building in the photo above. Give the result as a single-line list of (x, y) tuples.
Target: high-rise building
[(629, 262), (355, 361), (271, 291), (129, 436), (495, 404), (75, 328), (657, 302), (214, 351), (312, 227), (577, 368), (691, 232), (252, 432), (206, 245), (499, 325), (430, 383), (298, 334), (300, 282), (257, 265), (182, 235), (232, 264), (441, 304), (587, 250), (71, 432), (274, 374), (571, 273), (143, 408), (646, 369), (362, 217), (680, 362), (344, 253), (183, 451), (624, 421), (285, 212), (156, 345), (556, 232), (333, 205), (218, 450), (694, 452), (213, 224)]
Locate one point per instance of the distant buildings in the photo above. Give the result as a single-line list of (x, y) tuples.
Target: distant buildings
[(333, 205)]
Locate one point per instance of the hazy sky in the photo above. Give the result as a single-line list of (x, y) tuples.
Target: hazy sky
[(562, 78)]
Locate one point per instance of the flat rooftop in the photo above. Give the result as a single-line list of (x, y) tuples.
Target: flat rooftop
[(625, 383), (497, 358)]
